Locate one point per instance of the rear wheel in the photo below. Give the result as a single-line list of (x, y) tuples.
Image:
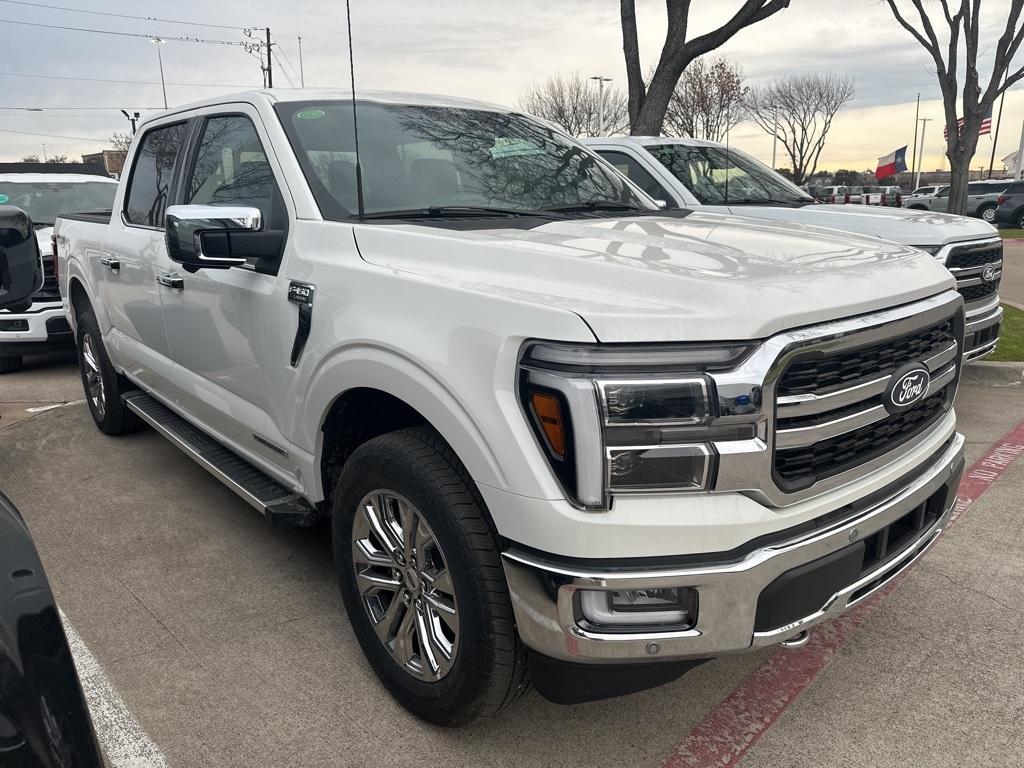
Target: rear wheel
[(987, 213), (10, 364), (918, 207), (1020, 220), (103, 385), (421, 576)]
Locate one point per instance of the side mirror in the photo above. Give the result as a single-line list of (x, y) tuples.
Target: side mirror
[(218, 236), (21, 269), (661, 204)]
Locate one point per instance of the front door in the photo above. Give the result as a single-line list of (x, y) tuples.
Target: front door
[(231, 330)]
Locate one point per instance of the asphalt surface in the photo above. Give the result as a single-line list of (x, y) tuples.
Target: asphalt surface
[(227, 641)]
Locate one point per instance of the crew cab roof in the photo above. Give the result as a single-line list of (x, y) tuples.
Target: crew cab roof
[(63, 178), (650, 140), (284, 95)]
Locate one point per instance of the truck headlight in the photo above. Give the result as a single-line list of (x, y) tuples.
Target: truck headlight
[(615, 418)]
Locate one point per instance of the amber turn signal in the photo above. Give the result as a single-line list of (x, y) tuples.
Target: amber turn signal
[(549, 414)]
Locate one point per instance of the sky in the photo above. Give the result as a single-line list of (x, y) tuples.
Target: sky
[(482, 49)]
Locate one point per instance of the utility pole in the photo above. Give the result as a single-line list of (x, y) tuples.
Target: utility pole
[(159, 44), (913, 153), (44, 153), (270, 61), (920, 159), (133, 119), (302, 71), (600, 102)]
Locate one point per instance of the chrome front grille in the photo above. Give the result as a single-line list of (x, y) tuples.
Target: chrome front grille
[(830, 416), (49, 291), (977, 268)]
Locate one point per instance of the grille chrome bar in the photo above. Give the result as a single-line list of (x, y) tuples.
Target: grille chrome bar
[(811, 404), (801, 437), (935, 362), (941, 380)]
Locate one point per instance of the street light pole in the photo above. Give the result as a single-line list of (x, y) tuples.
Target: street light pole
[(920, 159), (159, 42), (600, 102), (302, 71)]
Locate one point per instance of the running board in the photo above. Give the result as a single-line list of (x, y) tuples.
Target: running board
[(278, 504)]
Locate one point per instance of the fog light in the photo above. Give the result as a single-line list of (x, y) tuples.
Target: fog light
[(671, 608), (13, 325)]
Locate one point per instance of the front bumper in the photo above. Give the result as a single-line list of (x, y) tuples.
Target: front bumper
[(545, 592), (981, 329), (34, 331)]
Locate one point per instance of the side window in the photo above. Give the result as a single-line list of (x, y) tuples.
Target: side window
[(636, 173), (150, 183), (231, 168)]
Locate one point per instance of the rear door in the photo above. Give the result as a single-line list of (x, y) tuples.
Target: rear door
[(231, 330), (133, 257)]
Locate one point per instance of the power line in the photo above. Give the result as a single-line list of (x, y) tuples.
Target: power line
[(56, 136), (125, 82), (281, 51), (119, 15), (125, 34), (284, 71)]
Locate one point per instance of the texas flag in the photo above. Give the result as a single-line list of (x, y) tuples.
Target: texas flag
[(891, 164)]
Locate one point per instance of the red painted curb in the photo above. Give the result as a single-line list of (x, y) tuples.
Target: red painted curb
[(746, 714)]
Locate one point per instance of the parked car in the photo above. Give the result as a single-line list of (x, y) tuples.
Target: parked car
[(885, 195), (927, 191), (692, 174), (982, 199), (838, 195), (856, 195), (560, 433), (44, 720), (42, 327), (1010, 212)]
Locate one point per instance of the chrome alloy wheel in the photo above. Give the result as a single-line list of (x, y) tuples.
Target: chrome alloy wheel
[(93, 377), (403, 580)]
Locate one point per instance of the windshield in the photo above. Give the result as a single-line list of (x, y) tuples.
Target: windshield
[(45, 200), (415, 158), (715, 176)]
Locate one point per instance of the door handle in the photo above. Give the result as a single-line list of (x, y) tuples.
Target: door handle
[(171, 280), (112, 264)]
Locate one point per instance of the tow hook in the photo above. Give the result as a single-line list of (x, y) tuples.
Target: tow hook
[(799, 640)]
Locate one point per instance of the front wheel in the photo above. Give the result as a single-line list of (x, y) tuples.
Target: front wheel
[(103, 385), (421, 577)]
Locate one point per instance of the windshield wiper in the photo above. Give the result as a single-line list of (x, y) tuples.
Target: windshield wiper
[(452, 211), (768, 201), (593, 205)]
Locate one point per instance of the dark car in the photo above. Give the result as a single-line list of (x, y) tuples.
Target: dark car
[(44, 720), (1010, 212)]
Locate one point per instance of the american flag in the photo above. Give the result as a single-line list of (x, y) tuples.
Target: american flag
[(986, 125)]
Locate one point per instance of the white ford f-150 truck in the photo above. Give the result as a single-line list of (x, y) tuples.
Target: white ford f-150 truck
[(705, 175), (561, 435), (42, 327)]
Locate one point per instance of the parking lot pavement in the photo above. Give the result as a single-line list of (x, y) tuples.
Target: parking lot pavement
[(1011, 285), (46, 380), (226, 639)]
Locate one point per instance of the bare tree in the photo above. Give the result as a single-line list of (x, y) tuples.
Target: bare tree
[(573, 102), (961, 143), (798, 110), (121, 141), (707, 101), (30, 159), (649, 101)]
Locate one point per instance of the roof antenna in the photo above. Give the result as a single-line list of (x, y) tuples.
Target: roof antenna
[(355, 121)]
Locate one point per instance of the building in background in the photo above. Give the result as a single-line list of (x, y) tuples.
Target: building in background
[(111, 160)]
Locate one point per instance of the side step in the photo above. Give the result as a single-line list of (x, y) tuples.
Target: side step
[(280, 505)]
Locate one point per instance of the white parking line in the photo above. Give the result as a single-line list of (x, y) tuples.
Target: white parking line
[(123, 741)]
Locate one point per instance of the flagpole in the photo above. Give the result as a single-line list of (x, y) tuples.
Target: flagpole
[(913, 155), (995, 136)]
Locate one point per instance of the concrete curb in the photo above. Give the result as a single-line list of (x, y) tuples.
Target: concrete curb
[(993, 374)]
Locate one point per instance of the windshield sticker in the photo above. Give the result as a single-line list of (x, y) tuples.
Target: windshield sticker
[(513, 148), (310, 114), (3, 199)]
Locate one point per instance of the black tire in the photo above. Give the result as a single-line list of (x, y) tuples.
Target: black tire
[(918, 207), (10, 364), (987, 213), (110, 414), (1020, 220), (489, 669)]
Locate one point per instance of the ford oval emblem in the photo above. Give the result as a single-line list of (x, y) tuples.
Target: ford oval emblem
[(907, 386), (988, 274)]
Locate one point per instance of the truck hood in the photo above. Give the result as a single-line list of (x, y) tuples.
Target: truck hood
[(703, 276), (900, 225)]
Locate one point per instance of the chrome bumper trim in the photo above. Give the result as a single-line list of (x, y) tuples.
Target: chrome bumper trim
[(544, 593)]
